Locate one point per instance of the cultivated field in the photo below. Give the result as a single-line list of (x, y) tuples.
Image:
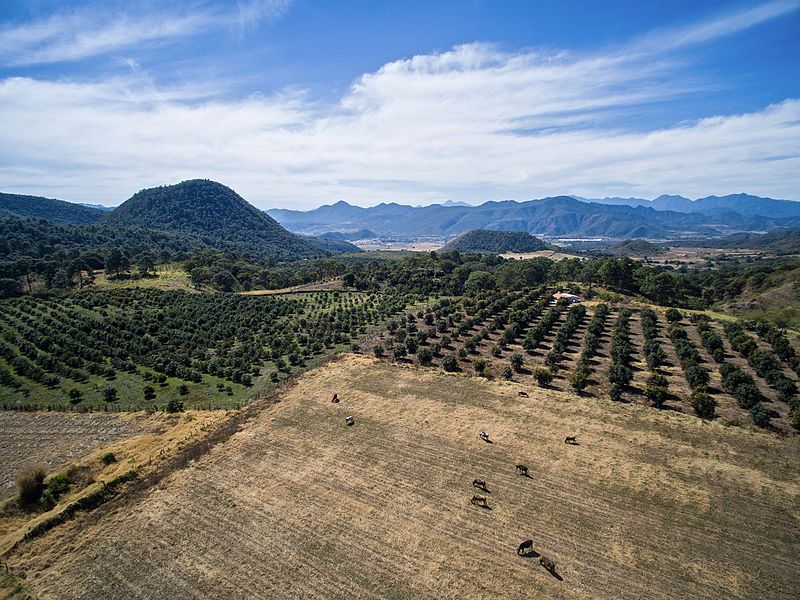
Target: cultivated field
[(649, 504), (55, 439)]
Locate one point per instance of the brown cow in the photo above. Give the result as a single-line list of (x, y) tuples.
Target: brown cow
[(479, 500), (571, 439), (479, 483), (547, 564)]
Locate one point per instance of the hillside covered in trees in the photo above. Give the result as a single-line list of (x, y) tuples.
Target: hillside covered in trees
[(482, 240), (783, 241), (55, 211), (214, 213)]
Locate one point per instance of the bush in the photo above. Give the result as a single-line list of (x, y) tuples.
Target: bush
[(479, 365), (656, 390), (183, 389), (378, 350), (149, 392), (110, 394), (399, 351), (619, 374), (704, 404), (174, 406), (507, 373), (697, 376), (449, 363), (747, 395), (30, 485), (516, 362), (543, 376), (794, 417), (75, 395), (760, 415), (673, 315), (615, 392), (108, 458), (579, 380), (424, 356)]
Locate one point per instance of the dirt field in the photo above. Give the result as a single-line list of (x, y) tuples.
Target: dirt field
[(650, 504), (54, 439)]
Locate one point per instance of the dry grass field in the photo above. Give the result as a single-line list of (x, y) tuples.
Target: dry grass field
[(649, 504), (54, 439)]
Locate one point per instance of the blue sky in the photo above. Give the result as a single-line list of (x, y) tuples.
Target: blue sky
[(300, 103)]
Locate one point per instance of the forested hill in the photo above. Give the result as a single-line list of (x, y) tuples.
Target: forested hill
[(481, 240), (55, 211), (215, 214)]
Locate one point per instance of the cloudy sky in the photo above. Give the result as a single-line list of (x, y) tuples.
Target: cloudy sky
[(297, 103)]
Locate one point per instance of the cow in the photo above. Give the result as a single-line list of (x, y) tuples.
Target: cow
[(547, 564), (523, 393), (479, 483), (522, 470), (335, 398), (571, 439), (350, 420), (479, 500), (484, 436), (525, 547)]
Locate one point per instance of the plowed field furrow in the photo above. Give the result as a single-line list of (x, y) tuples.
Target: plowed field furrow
[(650, 504)]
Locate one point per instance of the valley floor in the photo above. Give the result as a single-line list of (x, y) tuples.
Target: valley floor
[(649, 504)]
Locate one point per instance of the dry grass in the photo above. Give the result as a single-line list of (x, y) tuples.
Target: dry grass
[(650, 504)]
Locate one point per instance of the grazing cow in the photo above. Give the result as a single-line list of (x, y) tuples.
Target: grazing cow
[(479, 483), (525, 546), (522, 470), (547, 564), (571, 439), (350, 420), (335, 398), (484, 436), (479, 500), (523, 393)]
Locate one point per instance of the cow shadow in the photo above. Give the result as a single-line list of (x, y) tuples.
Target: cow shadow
[(555, 574), (529, 554)]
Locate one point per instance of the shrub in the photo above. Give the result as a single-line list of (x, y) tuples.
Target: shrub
[(75, 395), (149, 392), (480, 366), (703, 404), (378, 350), (30, 485), (697, 376), (110, 394), (108, 458), (543, 376), (673, 315), (615, 392), (619, 374), (424, 356), (507, 373), (579, 380), (175, 406), (760, 415), (398, 351), (656, 390), (794, 417), (183, 389), (516, 362), (747, 395), (449, 363)]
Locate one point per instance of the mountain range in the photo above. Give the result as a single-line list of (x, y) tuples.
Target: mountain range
[(667, 217)]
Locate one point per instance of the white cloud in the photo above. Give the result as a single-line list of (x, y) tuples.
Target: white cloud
[(472, 123), (71, 36)]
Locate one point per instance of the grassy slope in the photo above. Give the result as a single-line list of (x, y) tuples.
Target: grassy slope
[(650, 504)]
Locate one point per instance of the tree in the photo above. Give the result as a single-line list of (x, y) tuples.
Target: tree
[(378, 350), (183, 389), (579, 380), (449, 363), (760, 415), (30, 485), (398, 351), (507, 373), (516, 362), (174, 406), (9, 288), (149, 392), (479, 365), (703, 404), (479, 281), (117, 261), (110, 394), (619, 374), (75, 396), (224, 281), (543, 376), (673, 315), (656, 390), (145, 264), (424, 356)]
